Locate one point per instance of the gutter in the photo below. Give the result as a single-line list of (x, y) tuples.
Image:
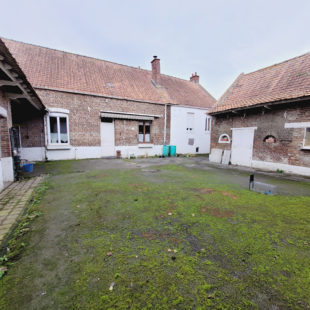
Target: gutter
[(101, 96), (259, 105)]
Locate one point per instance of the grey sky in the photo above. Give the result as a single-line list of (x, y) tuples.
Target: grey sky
[(218, 39)]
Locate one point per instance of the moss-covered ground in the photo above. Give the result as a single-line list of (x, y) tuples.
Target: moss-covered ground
[(164, 237)]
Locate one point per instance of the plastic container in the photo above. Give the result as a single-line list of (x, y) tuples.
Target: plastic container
[(28, 167), (166, 150), (173, 150)]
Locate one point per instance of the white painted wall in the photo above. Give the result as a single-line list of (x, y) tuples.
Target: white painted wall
[(1, 177), (270, 166), (39, 153), (179, 135), (7, 169)]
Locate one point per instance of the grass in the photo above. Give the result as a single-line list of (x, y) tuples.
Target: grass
[(177, 237)]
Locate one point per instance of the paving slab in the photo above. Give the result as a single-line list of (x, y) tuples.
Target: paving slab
[(13, 201)]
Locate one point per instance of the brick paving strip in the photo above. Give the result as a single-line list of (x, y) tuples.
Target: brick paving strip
[(13, 201)]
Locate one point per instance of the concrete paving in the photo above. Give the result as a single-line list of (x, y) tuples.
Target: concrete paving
[(13, 201)]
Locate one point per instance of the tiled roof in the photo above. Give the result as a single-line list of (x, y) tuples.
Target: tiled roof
[(10, 60), (54, 69), (287, 80)]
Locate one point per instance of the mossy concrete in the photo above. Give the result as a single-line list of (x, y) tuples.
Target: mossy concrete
[(130, 235)]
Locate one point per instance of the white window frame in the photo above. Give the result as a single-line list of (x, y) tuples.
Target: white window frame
[(305, 147), (224, 134), (208, 124), (57, 115)]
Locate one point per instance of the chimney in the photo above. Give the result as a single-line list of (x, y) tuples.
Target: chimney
[(194, 78), (155, 69)]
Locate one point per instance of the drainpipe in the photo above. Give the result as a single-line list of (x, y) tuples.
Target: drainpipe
[(45, 135), (165, 125)]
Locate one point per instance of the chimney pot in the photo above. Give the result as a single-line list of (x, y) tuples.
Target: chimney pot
[(194, 78)]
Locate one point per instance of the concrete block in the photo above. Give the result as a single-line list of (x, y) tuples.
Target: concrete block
[(216, 155)]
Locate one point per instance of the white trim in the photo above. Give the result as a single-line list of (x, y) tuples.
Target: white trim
[(224, 134), (58, 110), (305, 147), (297, 125), (244, 128), (3, 112), (59, 144), (128, 113), (270, 166), (146, 145)]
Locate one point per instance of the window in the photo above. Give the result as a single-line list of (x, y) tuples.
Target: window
[(270, 139), (224, 138), (307, 138), (145, 132), (58, 128), (208, 124), (190, 121)]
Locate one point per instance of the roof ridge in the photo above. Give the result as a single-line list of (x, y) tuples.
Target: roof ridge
[(75, 54), (91, 57), (278, 63)]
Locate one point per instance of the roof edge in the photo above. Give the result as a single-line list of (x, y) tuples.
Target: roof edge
[(258, 105)]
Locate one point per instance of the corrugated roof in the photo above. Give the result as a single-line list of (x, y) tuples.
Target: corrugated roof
[(286, 80), (54, 69)]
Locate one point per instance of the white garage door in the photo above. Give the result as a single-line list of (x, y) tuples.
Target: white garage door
[(242, 146)]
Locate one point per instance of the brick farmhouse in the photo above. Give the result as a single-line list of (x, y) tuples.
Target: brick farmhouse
[(96, 108), (264, 118), (17, 100)]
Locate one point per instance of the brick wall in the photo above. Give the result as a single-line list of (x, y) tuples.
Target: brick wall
[(4, 128), (84, 118), (32, 132), (286, 150)]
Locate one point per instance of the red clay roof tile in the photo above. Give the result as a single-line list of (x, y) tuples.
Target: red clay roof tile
[(286, 80), (54, 69)]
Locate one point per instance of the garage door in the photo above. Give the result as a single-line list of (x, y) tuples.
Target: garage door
[(242, 146)]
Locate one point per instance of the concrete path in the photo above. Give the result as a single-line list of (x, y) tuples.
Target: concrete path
[(13, 201)]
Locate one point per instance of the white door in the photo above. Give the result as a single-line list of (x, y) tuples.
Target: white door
[(107, 138), (242, 146)]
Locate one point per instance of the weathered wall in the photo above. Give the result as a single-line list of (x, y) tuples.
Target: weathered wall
[(84, 118), (286, 150), (5, 123)]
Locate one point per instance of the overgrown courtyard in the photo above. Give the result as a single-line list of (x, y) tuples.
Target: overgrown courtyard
[(170, 236)]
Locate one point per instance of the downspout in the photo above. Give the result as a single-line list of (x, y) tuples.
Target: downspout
[(45, 135), (165, 125)]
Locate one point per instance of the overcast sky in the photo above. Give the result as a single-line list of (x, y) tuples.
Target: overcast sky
[(217, 39)]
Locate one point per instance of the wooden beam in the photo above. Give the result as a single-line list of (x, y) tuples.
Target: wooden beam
[(267, 107), (8, 83), (16, 96), (1, 57)]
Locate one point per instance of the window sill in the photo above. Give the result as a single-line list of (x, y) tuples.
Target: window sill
[(58, 147), (307, 148), (145, 145)]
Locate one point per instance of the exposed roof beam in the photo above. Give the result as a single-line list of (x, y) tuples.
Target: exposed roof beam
[(1, 57), (13, 96), (8, 83), (27, 93)]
